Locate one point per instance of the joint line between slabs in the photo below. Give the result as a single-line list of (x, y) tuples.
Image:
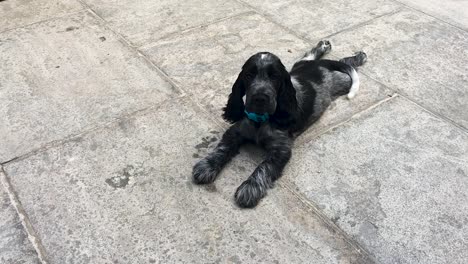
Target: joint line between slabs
[(22, 215), (160, 71), (433, 16), (326, 220)]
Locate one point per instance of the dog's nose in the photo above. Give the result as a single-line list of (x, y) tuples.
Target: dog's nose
[(260, 99)]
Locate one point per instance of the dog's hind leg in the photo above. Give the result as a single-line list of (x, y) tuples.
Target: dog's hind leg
[(357, 60), (323, 47), (207, 170)]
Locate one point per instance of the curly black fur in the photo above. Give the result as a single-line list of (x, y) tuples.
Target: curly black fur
[(294, 100)]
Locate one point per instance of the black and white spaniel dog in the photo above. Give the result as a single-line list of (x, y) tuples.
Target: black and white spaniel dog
[(278, 105)]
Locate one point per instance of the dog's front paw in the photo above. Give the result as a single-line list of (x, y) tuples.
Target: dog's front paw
[(249, 194), (203, 172)]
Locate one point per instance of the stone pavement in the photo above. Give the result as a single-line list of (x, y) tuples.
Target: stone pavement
[(106, 105)]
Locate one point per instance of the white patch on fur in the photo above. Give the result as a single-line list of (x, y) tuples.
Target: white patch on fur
[(261, 179), (299, 93), (264, 56), (308, 57), (297, 85), (324, 46), (355, 84)]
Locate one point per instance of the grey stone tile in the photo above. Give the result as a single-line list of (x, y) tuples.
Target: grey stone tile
[(19, 13), (124, 194), (206, 63), (15, 247), (317, 19), (453, 11), (65, 75), (145, 21), (419, 56), (394, 178)]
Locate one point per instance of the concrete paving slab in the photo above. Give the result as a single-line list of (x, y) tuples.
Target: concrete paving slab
[(124, 194), (19, 13), (453, 11), (144, 21), (421, 57), (395, 178), (317, 19), (15, 247), (206, 62), (66, 75)]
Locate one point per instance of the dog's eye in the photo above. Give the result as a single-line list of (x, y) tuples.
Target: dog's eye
[(249, 76), (275, 76)]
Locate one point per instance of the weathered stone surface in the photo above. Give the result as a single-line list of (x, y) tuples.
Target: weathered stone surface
[(145, 21), (19, 13), (317, 19), (124, 194), (15, 247), (395, 178), (66, 75), (206, 63), (421, 57), (109, 181), (453, 11)]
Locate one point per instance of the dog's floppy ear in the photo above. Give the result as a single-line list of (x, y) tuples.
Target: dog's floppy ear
[(234, 110), (287, 109)]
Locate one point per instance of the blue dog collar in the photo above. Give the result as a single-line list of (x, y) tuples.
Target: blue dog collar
[(256, 117)]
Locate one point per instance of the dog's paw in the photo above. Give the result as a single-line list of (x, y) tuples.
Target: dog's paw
[(324, 45), (203, 172), (361, 57), (249, 193)]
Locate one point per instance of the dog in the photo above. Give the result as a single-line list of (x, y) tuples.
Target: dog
[(278, 106)]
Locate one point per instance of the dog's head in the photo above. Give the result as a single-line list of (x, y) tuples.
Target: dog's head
[(268, 89)]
